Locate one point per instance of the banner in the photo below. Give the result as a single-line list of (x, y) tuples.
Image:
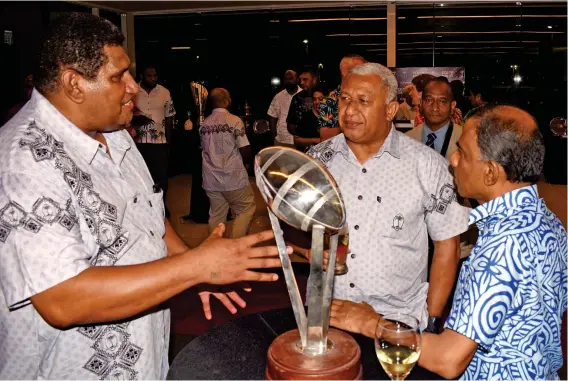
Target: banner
[(404, 75)]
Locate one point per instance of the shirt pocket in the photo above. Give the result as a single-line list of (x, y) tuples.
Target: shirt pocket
[(145, 211), (399, 218)]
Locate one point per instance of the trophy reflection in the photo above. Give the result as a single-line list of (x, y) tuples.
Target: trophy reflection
[(302, 193)]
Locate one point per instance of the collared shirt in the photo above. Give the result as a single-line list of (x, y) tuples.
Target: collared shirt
[(222, 134), (279, 109), (65, 206), (157, 105), (328, 109), (394, 201), (512, 290), (440, 136)]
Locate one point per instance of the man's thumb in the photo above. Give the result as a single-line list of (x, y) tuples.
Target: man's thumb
[(218, 231)]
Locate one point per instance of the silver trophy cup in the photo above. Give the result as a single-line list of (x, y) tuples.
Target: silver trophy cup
[(302, 193)]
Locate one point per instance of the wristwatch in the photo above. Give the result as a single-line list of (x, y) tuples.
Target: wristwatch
[(435, 324)]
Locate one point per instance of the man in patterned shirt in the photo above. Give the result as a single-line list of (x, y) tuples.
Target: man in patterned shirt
[(153, 123), (225, 150), (86, 256), (397, 191), (512, 290), (328, 112)]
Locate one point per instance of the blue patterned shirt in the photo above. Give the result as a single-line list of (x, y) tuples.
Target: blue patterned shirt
[(512, 290), (329, 109)]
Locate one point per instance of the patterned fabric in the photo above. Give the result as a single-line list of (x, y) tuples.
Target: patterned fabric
[(430, 140), (157, 106), (65, 206), (222, 134), (279, 109), (394, 201), (328, 109), (512, 290)]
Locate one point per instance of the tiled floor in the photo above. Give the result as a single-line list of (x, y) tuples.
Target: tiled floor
[(187, 317)]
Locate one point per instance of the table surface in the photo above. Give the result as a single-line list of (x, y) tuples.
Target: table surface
[(237, 351)]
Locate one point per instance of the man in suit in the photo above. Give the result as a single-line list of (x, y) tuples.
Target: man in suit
[(438, 131)]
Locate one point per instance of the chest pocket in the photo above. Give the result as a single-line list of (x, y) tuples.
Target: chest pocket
[(399, 217), (146, 212)]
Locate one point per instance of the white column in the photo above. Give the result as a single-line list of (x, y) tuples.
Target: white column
[(127, 26), (391, 34)]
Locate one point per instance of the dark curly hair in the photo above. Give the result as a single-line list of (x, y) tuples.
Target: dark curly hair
[(518, 149), (74, 40)]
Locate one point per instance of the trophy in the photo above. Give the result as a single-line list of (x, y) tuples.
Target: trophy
[(302, 193)]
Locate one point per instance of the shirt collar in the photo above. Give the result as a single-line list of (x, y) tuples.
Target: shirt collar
[(220, 109), (390, 145), (71, 136), (503, 206), (440, 132)]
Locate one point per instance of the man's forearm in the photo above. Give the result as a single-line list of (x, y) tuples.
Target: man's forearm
[(110, 293), (169, 128), (442, 274), (273, 124), (173, 241), (446, 354)]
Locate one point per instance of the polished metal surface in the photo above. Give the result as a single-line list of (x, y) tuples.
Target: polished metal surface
[(298, 189), (260, 126), (301, 192), (558, 127)]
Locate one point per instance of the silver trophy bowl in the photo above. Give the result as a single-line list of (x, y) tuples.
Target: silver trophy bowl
[(301, 192)]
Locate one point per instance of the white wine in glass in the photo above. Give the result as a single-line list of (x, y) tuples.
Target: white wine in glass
[(397, 343)]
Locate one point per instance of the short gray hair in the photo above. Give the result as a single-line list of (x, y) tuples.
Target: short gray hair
[(387, 77)]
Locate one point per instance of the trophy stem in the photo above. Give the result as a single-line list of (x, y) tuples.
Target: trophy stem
[(291, 284), (328, 285), (316, 344)]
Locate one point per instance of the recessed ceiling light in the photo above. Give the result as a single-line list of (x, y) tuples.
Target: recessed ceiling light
[(550, 27), (305, 41), (181, 47)]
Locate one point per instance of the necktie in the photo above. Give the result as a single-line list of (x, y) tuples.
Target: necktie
[(430, 140)]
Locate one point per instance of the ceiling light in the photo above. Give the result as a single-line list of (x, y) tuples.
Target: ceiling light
[(305, 41), (517, 78), (550, 27), (519, 3), (442, 5), (274, 20), (275, 81), (181, 47)]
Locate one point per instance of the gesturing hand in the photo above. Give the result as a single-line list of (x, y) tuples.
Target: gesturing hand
[(225, 261), (224, 295)]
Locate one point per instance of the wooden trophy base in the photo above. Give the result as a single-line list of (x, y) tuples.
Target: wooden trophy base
[(342, 361)]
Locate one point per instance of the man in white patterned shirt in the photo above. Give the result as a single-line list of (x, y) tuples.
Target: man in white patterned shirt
[(86, 256), (225, 178), (153, 123), (397, 191)]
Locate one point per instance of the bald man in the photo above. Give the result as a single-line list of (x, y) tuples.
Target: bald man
[(512, 290), (328, 109), (278, 110), (225, 179)]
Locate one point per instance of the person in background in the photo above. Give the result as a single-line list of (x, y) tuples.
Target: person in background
[(438, 131), (301, 103), (419, 83), (153, 124), (479, 95), (225, 150), (328, 112), (397, 191), (461, 102), (86, 255), (406, 110), (278, 110), (307, 131)]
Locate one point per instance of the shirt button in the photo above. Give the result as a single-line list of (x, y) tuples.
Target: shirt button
[(353, 256), (364, 170), (150, 202), (378, 199), (359, 197), (356, 227), (352, 285), (152, 233), (135, 200)]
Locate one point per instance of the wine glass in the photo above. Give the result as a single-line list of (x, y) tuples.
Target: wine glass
[(398, 343)]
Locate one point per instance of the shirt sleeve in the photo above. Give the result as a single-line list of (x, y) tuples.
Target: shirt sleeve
[(170, 109), (40, 238), (487, 289), (240, 134), (292, 118), (445, 217), (274, 109)]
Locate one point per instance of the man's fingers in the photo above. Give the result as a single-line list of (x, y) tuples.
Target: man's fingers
[(226, 302), (253, 239), (264, 263), (265, 251), (217, 232), (206, 306), (260, 277), (235, 297)]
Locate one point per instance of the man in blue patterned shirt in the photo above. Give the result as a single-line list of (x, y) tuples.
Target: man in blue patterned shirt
[(512, 292)]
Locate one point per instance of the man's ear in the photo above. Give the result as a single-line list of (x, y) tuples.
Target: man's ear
[(452, 105), (491, 173), (392, 109), (72, 86)]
